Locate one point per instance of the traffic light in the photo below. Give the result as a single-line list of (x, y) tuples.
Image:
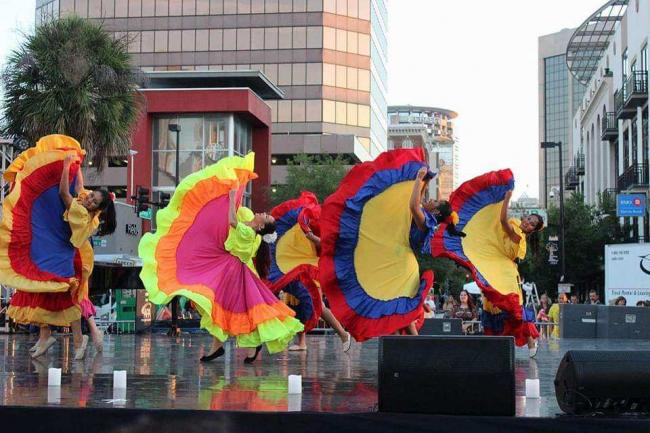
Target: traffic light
[(164, 199), (142, 199)]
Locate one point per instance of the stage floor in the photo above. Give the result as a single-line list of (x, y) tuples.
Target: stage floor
[(164, 373)]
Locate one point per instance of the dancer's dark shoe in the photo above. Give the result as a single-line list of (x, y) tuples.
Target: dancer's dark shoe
[(251, 359), (217, 353)]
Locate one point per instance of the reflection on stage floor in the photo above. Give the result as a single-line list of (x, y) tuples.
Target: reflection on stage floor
[(164, 373)]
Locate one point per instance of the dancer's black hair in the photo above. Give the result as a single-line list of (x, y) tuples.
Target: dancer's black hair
[(445, 210), (263, 257), (107, 217)]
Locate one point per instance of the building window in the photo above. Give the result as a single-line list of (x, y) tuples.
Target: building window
[(644, 58), (135, 8), (148, 8), (216, 7), (203, 141)]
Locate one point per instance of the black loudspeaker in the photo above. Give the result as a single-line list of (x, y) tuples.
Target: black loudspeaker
[(592, 381), (442, 327), (623, 322), (447, 375), (578, 320)]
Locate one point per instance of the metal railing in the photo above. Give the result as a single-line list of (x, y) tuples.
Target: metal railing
[(619, 99), (571, 180), (609, 126), (580, 164), (635, 175), (636, 85)]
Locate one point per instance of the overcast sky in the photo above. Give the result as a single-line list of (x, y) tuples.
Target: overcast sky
[(476, 57), (479, 58)]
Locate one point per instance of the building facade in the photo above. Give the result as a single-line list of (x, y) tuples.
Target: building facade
[(559, 98), (328, 56), (432, 129), (612, 122)]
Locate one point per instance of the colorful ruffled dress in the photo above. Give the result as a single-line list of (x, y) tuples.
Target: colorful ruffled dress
[(489, 253), (197, 254), (294, 258), (368, 267), (37, 253)]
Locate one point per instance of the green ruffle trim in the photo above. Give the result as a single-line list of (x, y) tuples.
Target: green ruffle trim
[(274, 333)]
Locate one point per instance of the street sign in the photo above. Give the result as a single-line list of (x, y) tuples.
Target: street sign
[(146, 214), (553, 246), (630, 205), (564, 287)]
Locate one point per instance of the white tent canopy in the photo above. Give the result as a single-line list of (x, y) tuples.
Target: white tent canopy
[(472, 288)]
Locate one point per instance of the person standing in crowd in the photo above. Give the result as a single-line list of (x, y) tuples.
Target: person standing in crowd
[(554, 315), (542, 314), (620, 301), (593, 298), (465, 311), (574, 299)]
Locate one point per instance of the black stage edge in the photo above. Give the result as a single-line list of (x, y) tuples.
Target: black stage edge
[(93, 420)]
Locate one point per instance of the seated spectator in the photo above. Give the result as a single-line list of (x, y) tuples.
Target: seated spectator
[(621, 301), (465, 311), (574, 299), (554, 315)]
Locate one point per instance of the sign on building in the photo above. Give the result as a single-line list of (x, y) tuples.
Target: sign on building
[(630, 205), (627, 272)]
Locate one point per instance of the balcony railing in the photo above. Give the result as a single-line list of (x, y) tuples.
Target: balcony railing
[(571, 180), (609, 127), (633, 94), (580, 164), (636, 86), (608, 195), (635, 176)]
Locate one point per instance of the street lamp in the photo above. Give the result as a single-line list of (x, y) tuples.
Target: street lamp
[(550, 145), (175, 127)]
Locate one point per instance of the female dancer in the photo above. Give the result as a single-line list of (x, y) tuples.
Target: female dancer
[(45, 236), (294, 265), (203, 249), (489, 251), (426, 215), (368, 265)]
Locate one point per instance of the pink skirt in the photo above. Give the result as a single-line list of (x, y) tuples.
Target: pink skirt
[(87, 309)]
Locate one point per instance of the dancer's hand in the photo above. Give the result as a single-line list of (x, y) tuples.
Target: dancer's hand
[(421, 173), (68, 160)]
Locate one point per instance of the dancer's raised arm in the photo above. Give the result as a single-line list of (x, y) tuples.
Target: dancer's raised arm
[(415, 204), (514, 237), (64, 184)]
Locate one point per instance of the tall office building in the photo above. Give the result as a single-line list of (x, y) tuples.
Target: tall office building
[(560, 95), (327, 56), (432, 129)]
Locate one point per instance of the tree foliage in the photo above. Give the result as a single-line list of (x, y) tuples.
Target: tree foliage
[(72, 78), (318, 174)]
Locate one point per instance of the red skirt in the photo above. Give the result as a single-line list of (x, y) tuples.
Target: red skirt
[(56, 309)]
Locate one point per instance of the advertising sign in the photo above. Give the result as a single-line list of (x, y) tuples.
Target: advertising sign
[(630, 205), (627, 272)]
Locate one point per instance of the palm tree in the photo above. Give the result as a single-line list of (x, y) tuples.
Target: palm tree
[(73, 78)]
